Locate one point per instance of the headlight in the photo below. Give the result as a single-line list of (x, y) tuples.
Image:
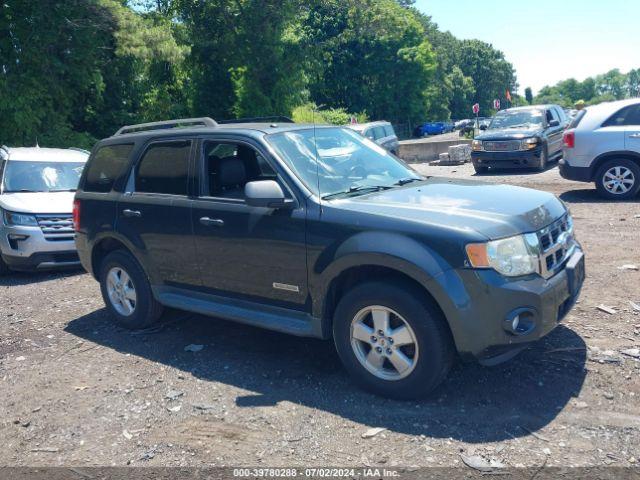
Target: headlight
[(512, 257), (21, 219), (529, 143), (476, 145)]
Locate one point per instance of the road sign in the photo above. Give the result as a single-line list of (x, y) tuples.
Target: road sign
[(496, 104), (476, 108)]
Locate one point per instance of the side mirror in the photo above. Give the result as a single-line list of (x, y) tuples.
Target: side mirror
[(265, 193), (554, 123), (483, 127)]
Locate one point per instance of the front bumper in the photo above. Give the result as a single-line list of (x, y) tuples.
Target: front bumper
[(513, 159), (26, 248), (485, 301)]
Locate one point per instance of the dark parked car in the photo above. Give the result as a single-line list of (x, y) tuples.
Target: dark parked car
[(314, 231), (380, 132), (521, 137)]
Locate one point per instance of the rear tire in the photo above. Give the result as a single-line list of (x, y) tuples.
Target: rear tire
[(618, 179), (127, 293), (413, 360)]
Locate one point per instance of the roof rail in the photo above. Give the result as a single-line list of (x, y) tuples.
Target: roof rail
[(168, 124), (4, 152), (275, 118), (79, 150)]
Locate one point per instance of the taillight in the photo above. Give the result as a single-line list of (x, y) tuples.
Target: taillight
[(76, 215), (569, 139)]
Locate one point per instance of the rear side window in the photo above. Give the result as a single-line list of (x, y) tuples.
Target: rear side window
[(628, 116), (378, 133), (164, 168), (576, 121), (105, 167)]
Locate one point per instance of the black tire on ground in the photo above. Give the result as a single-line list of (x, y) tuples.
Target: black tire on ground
[(544, 159), (147, 310), (435, 344), (4, 268), (625, 166), (480, 169)]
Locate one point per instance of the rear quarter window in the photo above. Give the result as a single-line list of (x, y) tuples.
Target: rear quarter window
[(577, 119), (105, 167)]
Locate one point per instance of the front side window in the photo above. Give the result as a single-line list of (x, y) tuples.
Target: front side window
[(378, 133), (229, 166), (164, 168), (27, 176), (518, 119), (340, 161), (388, 131)]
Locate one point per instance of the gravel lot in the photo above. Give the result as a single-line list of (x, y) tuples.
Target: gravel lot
[(78, 391)]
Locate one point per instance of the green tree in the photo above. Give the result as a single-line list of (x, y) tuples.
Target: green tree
[(528, 95)]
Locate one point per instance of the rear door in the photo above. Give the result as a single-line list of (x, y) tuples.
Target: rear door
[(632, 129), (154, 213)]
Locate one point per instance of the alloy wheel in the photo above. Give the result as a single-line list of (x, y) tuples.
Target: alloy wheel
[(618, 180), (121, 291), (384, 343)]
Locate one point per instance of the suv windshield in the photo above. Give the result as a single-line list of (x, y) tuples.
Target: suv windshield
[(517, 119), (22, 176), (347, 163)]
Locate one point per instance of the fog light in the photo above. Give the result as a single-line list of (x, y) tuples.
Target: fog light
[(14, 238), (520, 321)]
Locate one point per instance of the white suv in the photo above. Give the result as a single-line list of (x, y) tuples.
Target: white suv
[(602, 145), (37, 186)]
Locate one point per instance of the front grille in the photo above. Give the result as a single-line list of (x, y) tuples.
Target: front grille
[(56, 227), (556, 244), (501, 146)]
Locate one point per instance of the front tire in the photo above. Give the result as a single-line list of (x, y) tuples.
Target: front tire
[(618, 179), (479, 169), (4, 268), (544, 159), (127, 293), (392, 340)]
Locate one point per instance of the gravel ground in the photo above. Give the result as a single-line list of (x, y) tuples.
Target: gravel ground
[(78, 391)]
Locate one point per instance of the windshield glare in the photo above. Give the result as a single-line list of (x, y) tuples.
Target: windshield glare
[(517, 119), (22, 176), (347, 162)]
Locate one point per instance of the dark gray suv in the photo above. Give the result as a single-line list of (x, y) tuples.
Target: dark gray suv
[(316, 231)]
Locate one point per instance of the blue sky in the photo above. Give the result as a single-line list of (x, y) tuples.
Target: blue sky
[(548, 40)]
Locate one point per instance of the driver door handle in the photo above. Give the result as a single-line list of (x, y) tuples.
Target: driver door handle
[(131, 213), (211, 222)]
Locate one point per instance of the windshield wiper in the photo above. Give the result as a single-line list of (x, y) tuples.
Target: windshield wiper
[(358, 189), (63, 190), (405, 181), (21, 190)]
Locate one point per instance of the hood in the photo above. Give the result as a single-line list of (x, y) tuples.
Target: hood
[(509, 134), (492, 210), (38, 202)]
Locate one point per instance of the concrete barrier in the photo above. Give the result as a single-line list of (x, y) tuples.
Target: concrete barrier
[(426, 150)]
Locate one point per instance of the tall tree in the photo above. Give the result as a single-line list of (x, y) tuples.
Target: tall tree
[(528, 95)]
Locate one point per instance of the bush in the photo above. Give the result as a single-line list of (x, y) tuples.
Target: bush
[(309, 113)]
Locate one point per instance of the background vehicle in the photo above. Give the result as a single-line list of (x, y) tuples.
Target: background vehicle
[(380, 132), (602, 145), (521, 137), (433, 128), (36, 199), (315, 231)]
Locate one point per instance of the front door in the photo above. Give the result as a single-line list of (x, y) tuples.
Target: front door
[(254, 253), (155, 213)]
